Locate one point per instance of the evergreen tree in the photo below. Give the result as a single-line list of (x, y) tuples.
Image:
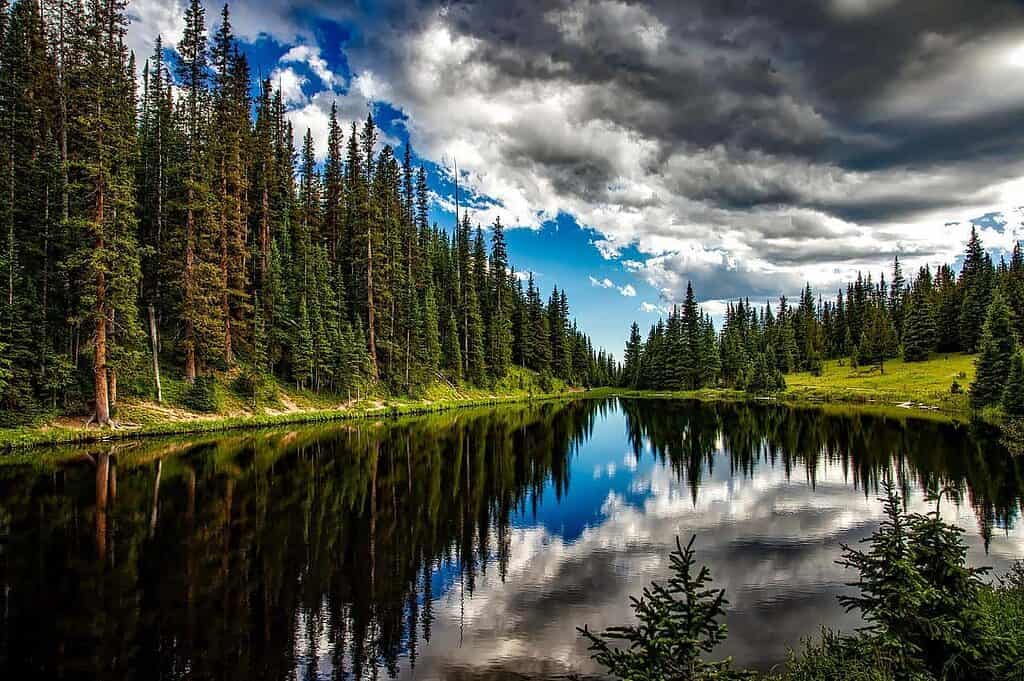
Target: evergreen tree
[(632, 358), (976, 285), (995, 352), (678, 625), (918, 329), (1013, 395), (499, 326)]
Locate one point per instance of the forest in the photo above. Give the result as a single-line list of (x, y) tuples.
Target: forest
[(978, 310), (161, 215)]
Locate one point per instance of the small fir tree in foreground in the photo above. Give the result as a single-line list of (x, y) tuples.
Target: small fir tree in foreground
[(679, 622), (920, 599)]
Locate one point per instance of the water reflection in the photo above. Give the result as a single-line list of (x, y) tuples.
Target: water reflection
[(459, 545)]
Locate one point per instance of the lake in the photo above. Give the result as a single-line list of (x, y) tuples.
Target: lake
[(462, 545)]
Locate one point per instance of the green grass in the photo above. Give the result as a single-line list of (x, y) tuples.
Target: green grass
[(921, 388), (143, 417), (921, 384)]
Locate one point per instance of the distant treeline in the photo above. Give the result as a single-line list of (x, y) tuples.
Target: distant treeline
[(981, 310), (183, 195)]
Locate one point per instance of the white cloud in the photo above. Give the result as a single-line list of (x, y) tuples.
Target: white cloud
[(651, 308), (627, 290), (601, 283), (733, 218), (152, 18), (310, 55), (290, 82)]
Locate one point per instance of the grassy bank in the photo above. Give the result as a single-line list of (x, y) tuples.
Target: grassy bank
[(923, 388), (145, 418), (921, 385)]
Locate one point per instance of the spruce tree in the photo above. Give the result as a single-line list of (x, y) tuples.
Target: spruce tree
[(632, 358), (918, 329), (976, 285), (996, 348), (1013, 395)]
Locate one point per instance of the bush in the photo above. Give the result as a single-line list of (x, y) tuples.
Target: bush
[(838, 657), (256, 387), (678, 625), (922, 602), (955, 388), (929, 616), (202, 396)]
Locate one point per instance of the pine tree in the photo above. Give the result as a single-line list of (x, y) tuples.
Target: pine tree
[(200, 281), (918, 330), (632, 369), (450, 347), (104, 200), (499, 330), (431, 346), (996, 348), (679, 625), (976, 285), (303, 351), (1013, 395)]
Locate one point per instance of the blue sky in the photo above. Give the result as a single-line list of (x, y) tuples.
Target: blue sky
[(633, 147)]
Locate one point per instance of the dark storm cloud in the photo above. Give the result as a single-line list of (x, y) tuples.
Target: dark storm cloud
[(797, 80), (779, 135)]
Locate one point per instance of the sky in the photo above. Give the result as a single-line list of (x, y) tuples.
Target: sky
[(748, 146)]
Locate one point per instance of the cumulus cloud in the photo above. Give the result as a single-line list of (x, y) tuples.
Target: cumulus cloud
[(601, 283), (651, 308), (628, 291), (310, 55), (748, 149)]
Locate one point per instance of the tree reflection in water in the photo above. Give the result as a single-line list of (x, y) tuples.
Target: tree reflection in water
[(320, 552)]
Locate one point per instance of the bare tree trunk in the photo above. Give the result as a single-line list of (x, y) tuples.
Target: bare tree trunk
[(102, 476), (156, 359), (370, 312), (225, 302), (112, 371), (190, 331), (100, 352), (156, 498)]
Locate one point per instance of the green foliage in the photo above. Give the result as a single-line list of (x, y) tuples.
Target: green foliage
[(256, 387), (1013, 395), (929, 616), (976, 278), (203, 395), (182, 193), (919, 329), (678, 625), (920, 599), (996, 349), (839, 657)]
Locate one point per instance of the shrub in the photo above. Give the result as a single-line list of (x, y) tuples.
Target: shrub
[(203, 395), (921, 600), (256, 387), (955, 388), (678, 625), (929, 616)]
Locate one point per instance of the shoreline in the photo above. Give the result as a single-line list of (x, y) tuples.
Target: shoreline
[(20, 440), (875, 404), (881, 404)]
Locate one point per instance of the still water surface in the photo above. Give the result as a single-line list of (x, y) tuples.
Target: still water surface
[(458, 546)]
